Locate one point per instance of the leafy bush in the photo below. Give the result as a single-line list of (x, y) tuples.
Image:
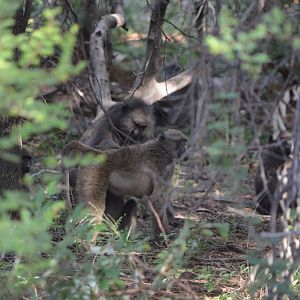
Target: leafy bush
[(255, 51), (26, 243)]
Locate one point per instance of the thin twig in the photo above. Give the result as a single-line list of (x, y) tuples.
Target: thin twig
[(279, 235), (80, 30), (158, 220), (44, 171)]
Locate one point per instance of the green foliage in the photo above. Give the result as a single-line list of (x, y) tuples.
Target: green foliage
[(175, 45), (226, 140), (247, 46), (274, 36), (171, 259), (29, 258), (20, 81), (53, 254), (250, 46), (270, 273)]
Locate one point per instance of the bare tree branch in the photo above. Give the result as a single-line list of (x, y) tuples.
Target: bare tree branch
[(153, 90), (153, 58), (22, 17), (26, 15), (98, 55)]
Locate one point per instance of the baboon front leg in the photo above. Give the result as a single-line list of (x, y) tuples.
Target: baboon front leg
[(159, 219), (160, 207)]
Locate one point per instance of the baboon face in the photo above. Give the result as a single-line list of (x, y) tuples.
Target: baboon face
[(137, 123), (174, 141), (140, 124)]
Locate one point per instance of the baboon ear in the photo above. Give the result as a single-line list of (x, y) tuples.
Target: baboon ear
[(161, 136)]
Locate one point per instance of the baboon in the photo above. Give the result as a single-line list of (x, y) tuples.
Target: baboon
[(127, 172), (133, 123), (273, 158)]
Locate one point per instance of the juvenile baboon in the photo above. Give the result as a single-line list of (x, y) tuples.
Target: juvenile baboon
[(127, 172), (273, 158)]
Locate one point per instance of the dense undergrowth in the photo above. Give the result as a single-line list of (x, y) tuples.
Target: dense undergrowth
[(51, 253)]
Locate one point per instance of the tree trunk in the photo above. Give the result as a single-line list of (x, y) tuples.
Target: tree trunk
[(10, 172)]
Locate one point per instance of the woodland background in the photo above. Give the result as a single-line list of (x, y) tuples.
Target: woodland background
[(224, 72)]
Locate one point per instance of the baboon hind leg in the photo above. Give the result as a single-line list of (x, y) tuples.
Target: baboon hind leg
[(91, 185), (129, 211), (116, 209)]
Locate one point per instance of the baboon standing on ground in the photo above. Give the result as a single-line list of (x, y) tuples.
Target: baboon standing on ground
[(128, 172), (132, 122)]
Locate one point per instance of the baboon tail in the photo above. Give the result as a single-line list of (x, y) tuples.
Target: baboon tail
[(78, 146)]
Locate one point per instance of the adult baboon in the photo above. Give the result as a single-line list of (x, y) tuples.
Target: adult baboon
[(127, 172), (128, 122)]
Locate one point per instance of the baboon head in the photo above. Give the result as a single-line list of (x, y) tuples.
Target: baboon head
[(134, 118), (174, 142), (275, 155)]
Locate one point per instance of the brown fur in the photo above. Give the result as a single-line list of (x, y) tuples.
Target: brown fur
[(128, 171), (133, 122)]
